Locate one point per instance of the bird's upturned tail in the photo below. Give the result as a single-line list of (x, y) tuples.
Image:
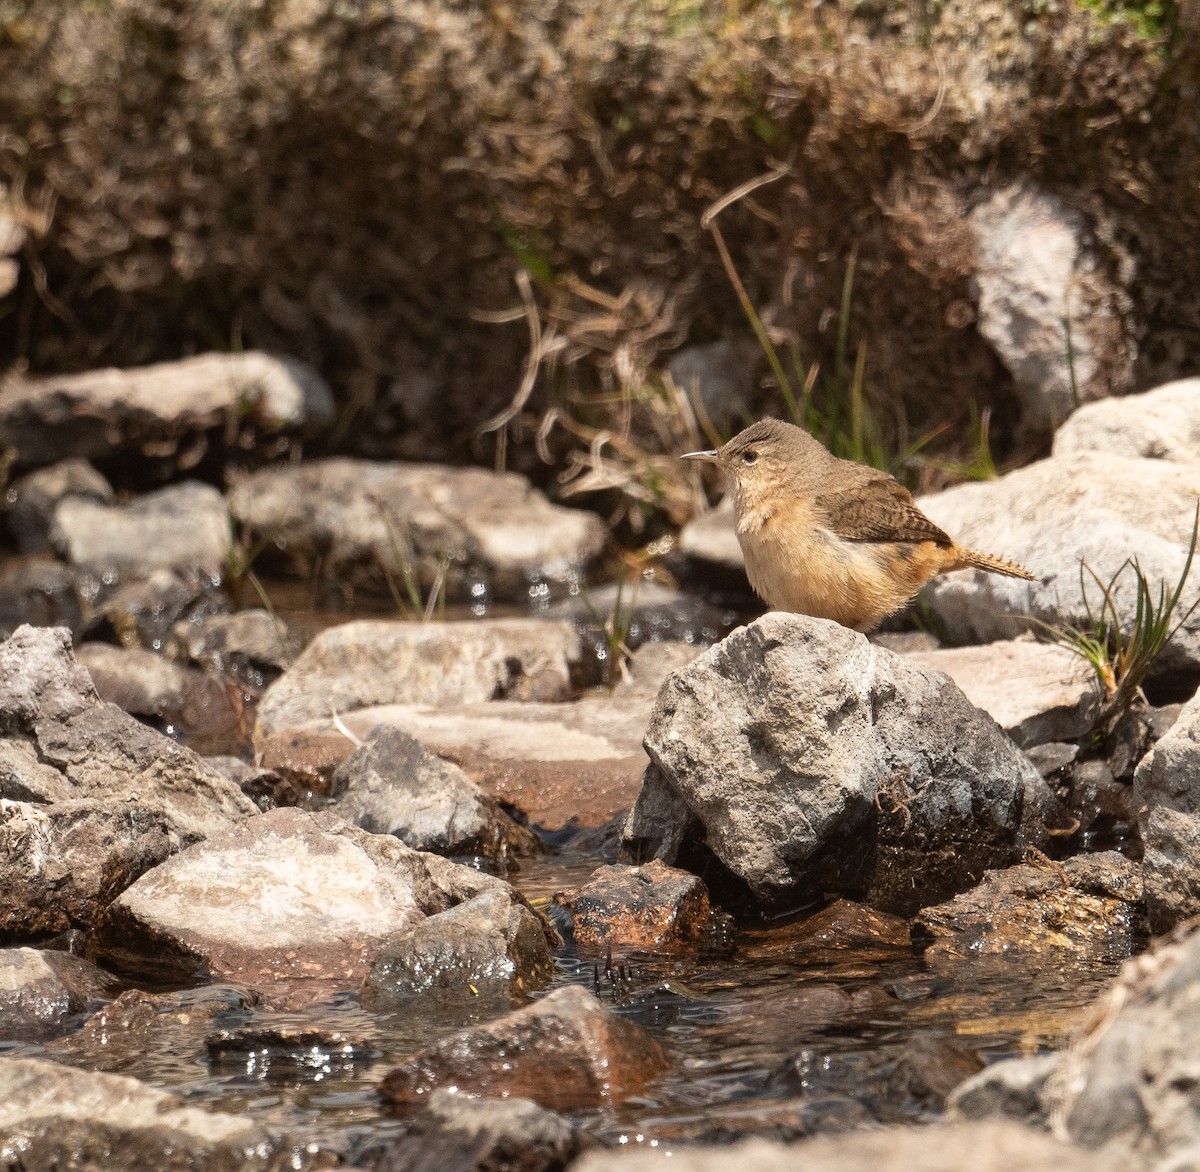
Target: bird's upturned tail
[(985, 561)]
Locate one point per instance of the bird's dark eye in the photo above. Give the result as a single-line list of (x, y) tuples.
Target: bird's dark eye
[(749, 456)]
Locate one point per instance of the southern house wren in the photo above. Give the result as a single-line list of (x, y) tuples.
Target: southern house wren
[(830, 537)]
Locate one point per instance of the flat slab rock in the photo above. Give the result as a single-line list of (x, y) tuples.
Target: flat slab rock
[(803, 760), (103, 412), (284, 897), (1036, 692), (58, 1117), (378, 662), (500, 537), (564, 1052)]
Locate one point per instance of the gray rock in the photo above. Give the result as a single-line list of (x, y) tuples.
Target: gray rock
[(184, 525), (501, 538), (1050, 515), (1089, 907), (374, 662), (1036, 692), (1166, 794), (393, 785), (1162, 424), (1013, 1088), (61, 864), (138, 681), (1124, 1084), (41, 991), (489, 943), (804, 760), (565, 1051), (459, 1134), (160, 410), (97, 796), (12, 240), (1035, 272), (288, 899), (982, 1147), (35, 497), (57, 1117), (712, 538)]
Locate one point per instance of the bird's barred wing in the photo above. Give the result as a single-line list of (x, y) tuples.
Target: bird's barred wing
[(879, 509)]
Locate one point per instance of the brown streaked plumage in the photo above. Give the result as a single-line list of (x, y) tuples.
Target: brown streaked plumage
[(830, 537)]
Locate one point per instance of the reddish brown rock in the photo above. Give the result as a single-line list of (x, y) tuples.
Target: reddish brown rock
[(843, 930), (651, 908), (566, 1051)]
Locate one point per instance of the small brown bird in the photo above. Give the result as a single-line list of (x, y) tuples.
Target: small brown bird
[(829, 537)]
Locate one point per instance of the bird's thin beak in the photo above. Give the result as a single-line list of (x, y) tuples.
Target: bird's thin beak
[(711, 457)]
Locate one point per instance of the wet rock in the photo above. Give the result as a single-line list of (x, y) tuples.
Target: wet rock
[(284, 897), (799, 759), (40, 992), (1089, 906), (33, 499), (144, 610), (252, 646), (184, 525), (1014, 1088), (1124, 1084), (1035, 273), (287, 1053), (1166, 794), (567, 766), (566, 1051), (491, 943), (118, 1036), (708, 557), (57, 1117), (166, 412), (368, 663), (264, 787), (459, 1134), (982, 1147), (85, 748), (61, 864), (1050, 515), (843, 930), (1053, 758), (140, 682), (393, 785), (1161, 424), (653, 908), (1103, 805), (40, 593), (1036, 692), (497, 535)]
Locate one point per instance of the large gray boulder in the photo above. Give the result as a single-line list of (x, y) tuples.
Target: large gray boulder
[(804, 760), (1166, 790), (1050, 516)]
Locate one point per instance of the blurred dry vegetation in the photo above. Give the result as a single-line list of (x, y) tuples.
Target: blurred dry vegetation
[(360, 184)]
